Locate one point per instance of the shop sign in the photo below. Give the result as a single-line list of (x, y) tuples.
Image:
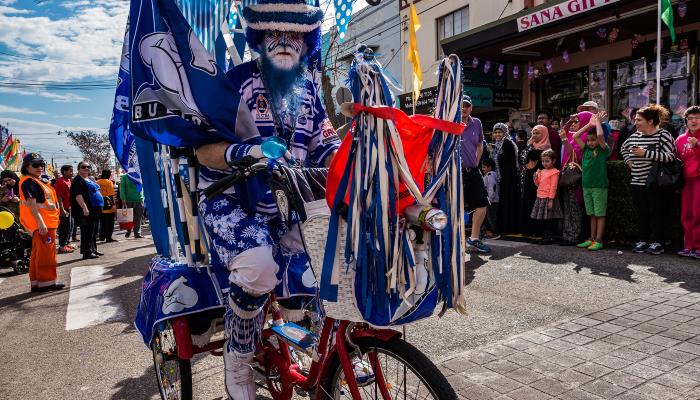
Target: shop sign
[(507, 98), (425, 103), (481, 96), (477, 77), (558, 12)]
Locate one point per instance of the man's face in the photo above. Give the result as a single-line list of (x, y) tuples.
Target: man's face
[(68, 173), (466, 110), (284, 49), (543, 119)]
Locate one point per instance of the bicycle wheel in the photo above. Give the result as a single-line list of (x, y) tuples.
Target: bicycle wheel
[(174, 374), (399, 371)]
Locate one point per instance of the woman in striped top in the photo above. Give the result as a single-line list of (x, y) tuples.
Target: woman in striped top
[(640, 151)]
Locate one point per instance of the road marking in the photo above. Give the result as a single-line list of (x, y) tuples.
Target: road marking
[(88, 304), (506, 243)]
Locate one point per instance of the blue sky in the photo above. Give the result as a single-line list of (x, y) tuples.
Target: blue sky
[(58, 41), (69, 41)]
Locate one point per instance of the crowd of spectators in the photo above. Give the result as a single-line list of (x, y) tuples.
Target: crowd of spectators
[(550, 182)]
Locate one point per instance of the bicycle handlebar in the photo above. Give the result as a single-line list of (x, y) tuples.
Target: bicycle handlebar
[(242, 169)]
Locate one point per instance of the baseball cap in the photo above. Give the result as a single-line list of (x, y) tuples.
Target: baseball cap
[(32, 157), (589, 103), (466, 99)]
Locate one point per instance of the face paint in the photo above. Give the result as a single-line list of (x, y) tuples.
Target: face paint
[(284, 49)]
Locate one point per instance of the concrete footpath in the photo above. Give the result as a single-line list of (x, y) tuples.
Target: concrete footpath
[(647, 349)]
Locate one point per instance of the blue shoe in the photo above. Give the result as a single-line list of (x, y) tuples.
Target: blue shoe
[(479, 245)]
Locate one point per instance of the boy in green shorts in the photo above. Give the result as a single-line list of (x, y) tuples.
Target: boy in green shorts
[(595, 180)]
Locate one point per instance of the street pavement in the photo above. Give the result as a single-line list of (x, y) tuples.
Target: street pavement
[(543, 322)]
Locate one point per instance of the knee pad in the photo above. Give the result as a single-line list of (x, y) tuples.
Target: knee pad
[(254, 271)]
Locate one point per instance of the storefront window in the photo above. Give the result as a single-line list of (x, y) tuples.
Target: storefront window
[(561, 93), (634, 84)]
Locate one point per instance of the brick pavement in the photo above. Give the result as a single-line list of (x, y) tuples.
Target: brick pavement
[(646, 349)]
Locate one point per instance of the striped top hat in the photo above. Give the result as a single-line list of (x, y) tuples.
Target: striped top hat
[(283, 15)]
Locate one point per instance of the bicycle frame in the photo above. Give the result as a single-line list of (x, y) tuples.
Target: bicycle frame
[(279, 356)]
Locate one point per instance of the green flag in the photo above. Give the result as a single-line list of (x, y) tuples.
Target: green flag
[(667, 17)]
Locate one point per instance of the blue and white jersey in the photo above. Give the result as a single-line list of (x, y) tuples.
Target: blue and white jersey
[(313, 138)]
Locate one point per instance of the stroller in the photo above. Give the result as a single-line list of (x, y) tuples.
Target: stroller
[(15, 247)]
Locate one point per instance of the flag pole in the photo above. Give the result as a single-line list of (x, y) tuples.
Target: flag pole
[(658, 54)]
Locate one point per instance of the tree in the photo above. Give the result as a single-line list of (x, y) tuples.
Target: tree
[(94, 146)]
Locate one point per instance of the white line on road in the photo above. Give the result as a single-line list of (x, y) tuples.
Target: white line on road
[(88, 305), (506, 243)]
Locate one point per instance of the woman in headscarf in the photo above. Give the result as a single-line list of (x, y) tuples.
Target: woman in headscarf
[(530, 163), (571, 197), (504, 153)]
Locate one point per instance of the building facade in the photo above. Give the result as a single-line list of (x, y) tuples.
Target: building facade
[(523, 57), (378, 27)]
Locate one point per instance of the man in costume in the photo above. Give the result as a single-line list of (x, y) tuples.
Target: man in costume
[(277, 99)]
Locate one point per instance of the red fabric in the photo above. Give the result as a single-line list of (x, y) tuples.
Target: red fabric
[(62, 187), (415, 131)]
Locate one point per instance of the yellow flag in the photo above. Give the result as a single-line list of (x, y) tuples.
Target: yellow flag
[(413, 57)]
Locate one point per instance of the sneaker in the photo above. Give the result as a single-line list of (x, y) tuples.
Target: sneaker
[(685, 253), (655, 249), (478, 245), (595, 246), (696, 254), (585, 244), (640, 247), (65, 249), (127, 234), (70, 246)]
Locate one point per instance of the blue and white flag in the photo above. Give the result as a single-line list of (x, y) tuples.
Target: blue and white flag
[(120, 135), (180, 96)]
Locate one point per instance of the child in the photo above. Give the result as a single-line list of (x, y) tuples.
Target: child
[(547, 206), (595, 181), (491, 184)]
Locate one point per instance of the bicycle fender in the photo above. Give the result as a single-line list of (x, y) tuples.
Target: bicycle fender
[(183, 339)]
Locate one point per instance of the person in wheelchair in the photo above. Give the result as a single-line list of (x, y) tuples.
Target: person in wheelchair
[(277, 99), (15, 242)]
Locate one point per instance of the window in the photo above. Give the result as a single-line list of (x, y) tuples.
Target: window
[(450, 25)]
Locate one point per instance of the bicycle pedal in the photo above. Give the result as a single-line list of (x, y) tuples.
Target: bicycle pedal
[(295, 336)]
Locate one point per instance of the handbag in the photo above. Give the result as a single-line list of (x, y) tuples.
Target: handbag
[(571, 174), (665, 175), (108, 203), (125, 218)]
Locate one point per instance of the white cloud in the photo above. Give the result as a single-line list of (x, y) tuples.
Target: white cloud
[(85, 45), (17, 110), (61, 98)]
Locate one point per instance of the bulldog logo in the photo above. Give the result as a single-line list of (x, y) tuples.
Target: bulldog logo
[(170, 94), (179, 296)]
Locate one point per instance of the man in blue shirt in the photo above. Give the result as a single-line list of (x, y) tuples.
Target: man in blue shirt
[(475, 196)]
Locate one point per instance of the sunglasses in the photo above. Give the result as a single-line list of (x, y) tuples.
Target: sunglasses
[(38, 165), (85, 167)]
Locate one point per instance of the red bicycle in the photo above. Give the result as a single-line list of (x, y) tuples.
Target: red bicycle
[(332, 359)]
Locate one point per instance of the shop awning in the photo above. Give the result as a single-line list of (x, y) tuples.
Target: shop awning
[(549, 32)]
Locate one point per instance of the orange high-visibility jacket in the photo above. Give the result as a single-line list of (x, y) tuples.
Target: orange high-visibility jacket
[(48, 209)]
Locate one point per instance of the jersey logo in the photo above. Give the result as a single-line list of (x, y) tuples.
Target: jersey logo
[(328, 134), (262, 108)]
